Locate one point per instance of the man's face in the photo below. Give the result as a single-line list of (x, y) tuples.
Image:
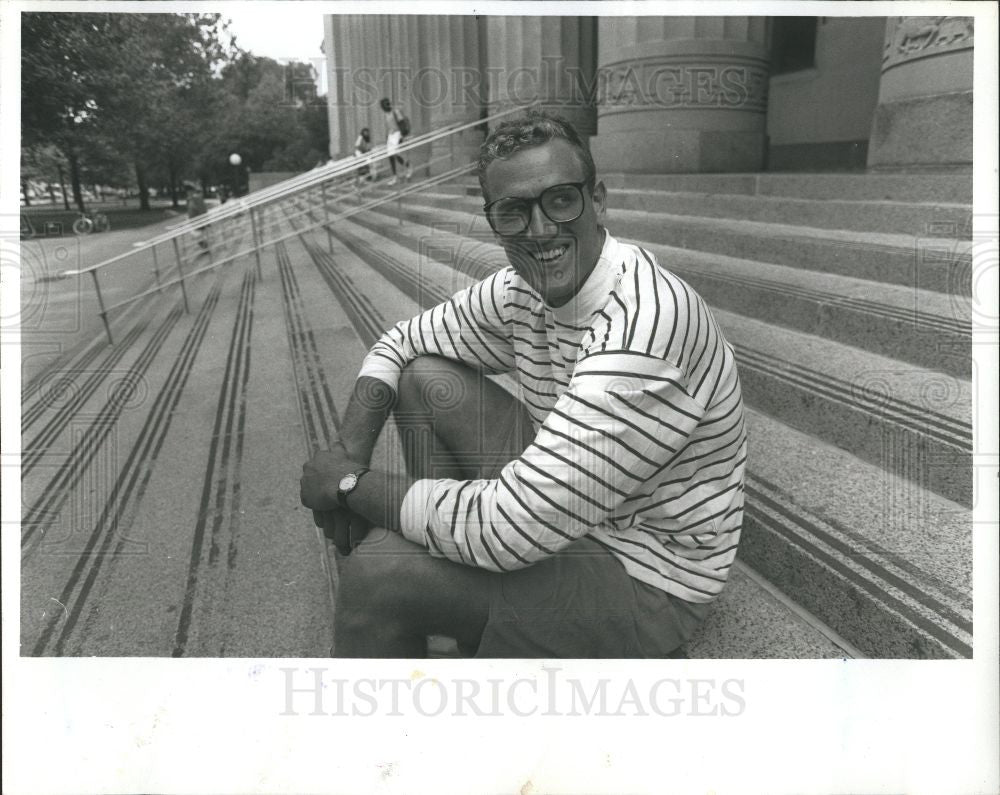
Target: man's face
[(554, 258)]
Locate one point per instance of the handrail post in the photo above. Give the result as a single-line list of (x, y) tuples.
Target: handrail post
[(326, 215), (236, 233), (208, 243), (156, 266), (180, 270), (256, 239), (100, 303)]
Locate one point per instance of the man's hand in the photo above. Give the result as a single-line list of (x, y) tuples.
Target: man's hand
[(318, 490), (321, 476), (345, 528)]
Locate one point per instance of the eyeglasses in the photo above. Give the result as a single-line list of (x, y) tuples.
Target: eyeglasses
[(560, 204)]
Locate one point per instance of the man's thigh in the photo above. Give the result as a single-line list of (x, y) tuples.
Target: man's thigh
[(579, 603), (456, 416)]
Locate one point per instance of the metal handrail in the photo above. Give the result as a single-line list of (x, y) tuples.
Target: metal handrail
[(410, 189), (316, 176), (251, 208), (416, 187), (300, 182)]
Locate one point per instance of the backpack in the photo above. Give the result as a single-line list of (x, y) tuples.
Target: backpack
[(402, 122)]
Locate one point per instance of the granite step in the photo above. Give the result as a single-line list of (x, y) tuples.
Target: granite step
[(753, 620), (953, 188), (885, 563), (845, 539), (913, 421), (936, 220), (922, 219), (922, 327), (929, 263), (933, 263)]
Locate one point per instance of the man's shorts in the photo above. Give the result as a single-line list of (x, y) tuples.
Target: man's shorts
[(581, 603)]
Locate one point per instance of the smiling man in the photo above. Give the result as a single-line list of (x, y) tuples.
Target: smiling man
[(599, 514)]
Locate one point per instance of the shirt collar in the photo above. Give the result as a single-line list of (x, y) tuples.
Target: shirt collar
[(594, 293)]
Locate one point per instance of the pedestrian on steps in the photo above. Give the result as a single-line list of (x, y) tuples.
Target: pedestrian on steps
[(196, 207), (363, 145), (399, 127)]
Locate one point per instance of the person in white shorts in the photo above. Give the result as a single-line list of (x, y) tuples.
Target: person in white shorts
[(396, 124)]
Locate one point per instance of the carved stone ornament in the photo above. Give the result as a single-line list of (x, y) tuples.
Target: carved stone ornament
[(909, 38)]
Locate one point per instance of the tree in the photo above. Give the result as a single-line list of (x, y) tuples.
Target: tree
[(90, 80), (58, 54), (164, 60), (164, 93)]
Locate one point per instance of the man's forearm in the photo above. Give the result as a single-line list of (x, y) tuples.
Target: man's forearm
[(378, 498), (367, 410)]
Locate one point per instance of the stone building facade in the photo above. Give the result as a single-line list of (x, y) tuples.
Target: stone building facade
[(673, 94)]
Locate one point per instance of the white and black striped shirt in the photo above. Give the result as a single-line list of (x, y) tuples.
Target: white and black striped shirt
[(640, 439)]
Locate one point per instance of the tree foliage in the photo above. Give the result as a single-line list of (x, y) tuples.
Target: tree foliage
[(165, 97)]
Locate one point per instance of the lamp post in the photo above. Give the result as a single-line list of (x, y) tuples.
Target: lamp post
[(235, 160)]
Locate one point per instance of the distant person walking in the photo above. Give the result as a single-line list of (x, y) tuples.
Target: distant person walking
[(363, 145), (196, 207), (399, 127)]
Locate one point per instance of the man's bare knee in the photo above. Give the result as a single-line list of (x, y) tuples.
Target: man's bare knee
[(433, 384)]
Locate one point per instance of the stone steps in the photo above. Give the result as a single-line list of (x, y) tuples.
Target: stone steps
[(925, 328), (951, 188), (867, 401), (938, 264), (921, 220), (886, 563), (154, 549), (907, 462), (165, 524), (926, 219)]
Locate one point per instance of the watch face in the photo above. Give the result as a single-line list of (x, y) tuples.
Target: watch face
[(348, 482)]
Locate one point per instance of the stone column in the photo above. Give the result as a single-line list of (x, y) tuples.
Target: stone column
[(447, 88), (924, 113), (551, 59), (353, 94), (335, 49), (681, 94)]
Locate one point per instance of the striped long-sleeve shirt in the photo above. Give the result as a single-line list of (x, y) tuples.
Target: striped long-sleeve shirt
[(636, 403)]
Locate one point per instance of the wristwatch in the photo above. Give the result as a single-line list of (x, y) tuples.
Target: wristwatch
[(347, 484)]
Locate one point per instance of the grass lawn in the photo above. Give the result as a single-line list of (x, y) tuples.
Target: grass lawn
[(49, 221)]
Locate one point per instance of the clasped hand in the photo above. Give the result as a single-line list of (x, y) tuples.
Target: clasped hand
[(321, 476)]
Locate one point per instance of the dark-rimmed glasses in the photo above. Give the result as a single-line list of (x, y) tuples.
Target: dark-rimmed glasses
[(560, 204)]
